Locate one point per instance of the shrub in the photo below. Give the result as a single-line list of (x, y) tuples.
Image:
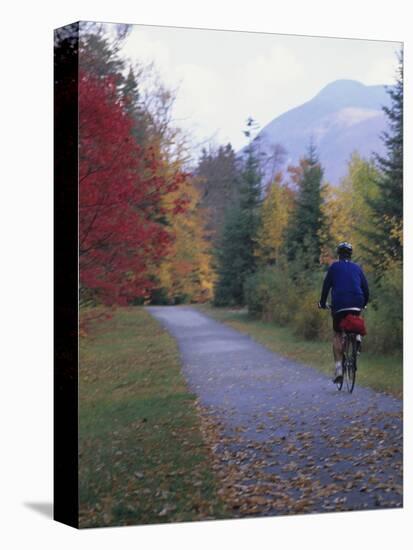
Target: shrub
[(159, 297), (309, 322), (288, 295), (181, 299), (385, 315), (269, 296), (257, 290)]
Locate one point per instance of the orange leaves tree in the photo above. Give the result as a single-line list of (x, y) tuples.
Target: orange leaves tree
[(120, 195)]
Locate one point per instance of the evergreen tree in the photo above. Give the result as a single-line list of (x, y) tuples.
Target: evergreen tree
[(98, 55), (131, 98), (218, 183), (387, 207), (236, 258), (307, 220), (234, 262)]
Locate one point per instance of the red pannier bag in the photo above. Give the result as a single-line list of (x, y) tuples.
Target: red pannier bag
[(354, 323)]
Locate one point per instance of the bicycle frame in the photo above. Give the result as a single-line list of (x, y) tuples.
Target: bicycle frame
[(349, 361)]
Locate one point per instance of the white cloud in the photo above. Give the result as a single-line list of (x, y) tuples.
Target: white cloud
[(382, 70), (223, 77), (270, 81)]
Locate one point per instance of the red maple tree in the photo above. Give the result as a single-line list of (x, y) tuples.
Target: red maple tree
[(120, 192)]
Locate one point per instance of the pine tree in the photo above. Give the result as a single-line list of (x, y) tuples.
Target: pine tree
[(250, 193), (388, 205), (236, 257), (218, 182), (233, 260), (98, 56), (131, 98), (307, 221)]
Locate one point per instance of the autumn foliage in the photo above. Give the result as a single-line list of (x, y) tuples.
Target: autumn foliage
[(120, 205), (186, 273), (275, 213)]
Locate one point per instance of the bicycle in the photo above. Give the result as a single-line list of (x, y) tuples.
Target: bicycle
[(350, 353), (351, 349)]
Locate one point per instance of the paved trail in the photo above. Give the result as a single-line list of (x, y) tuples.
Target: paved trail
[(297, 444)]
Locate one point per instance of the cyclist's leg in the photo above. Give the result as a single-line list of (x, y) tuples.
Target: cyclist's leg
[(358, 343), (338, 355), (358, 337), (337, 348)]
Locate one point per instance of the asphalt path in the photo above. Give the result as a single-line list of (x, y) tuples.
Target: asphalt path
[(293, 437)]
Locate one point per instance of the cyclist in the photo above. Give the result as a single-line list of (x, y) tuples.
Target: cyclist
[(349, 294)]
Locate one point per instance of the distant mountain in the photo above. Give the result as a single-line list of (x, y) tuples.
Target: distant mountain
[(343, 117)]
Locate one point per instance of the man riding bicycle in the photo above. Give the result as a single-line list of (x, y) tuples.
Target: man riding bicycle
[(349, 294)]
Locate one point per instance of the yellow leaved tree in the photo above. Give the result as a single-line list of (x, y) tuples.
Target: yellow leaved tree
[(186, 273), (347, 209), (275, 213)]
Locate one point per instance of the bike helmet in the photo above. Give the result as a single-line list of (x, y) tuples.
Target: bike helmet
[(345, 248)]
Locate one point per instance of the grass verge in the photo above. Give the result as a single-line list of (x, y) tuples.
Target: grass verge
[(382, 373), (142, 458)]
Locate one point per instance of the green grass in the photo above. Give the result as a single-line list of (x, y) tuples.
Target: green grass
[(382, 373), (142, 458)]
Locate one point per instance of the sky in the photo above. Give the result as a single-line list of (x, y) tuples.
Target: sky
[(224, 77)]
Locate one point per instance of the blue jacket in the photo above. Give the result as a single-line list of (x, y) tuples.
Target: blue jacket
[(348, 286)]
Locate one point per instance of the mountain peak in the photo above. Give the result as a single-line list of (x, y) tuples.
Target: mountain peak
[(340, 87), (344, 116)]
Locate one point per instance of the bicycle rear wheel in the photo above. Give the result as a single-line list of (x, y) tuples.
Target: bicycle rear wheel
[(351, 363)]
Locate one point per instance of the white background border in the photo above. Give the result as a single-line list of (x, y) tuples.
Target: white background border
[(26, 271)]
